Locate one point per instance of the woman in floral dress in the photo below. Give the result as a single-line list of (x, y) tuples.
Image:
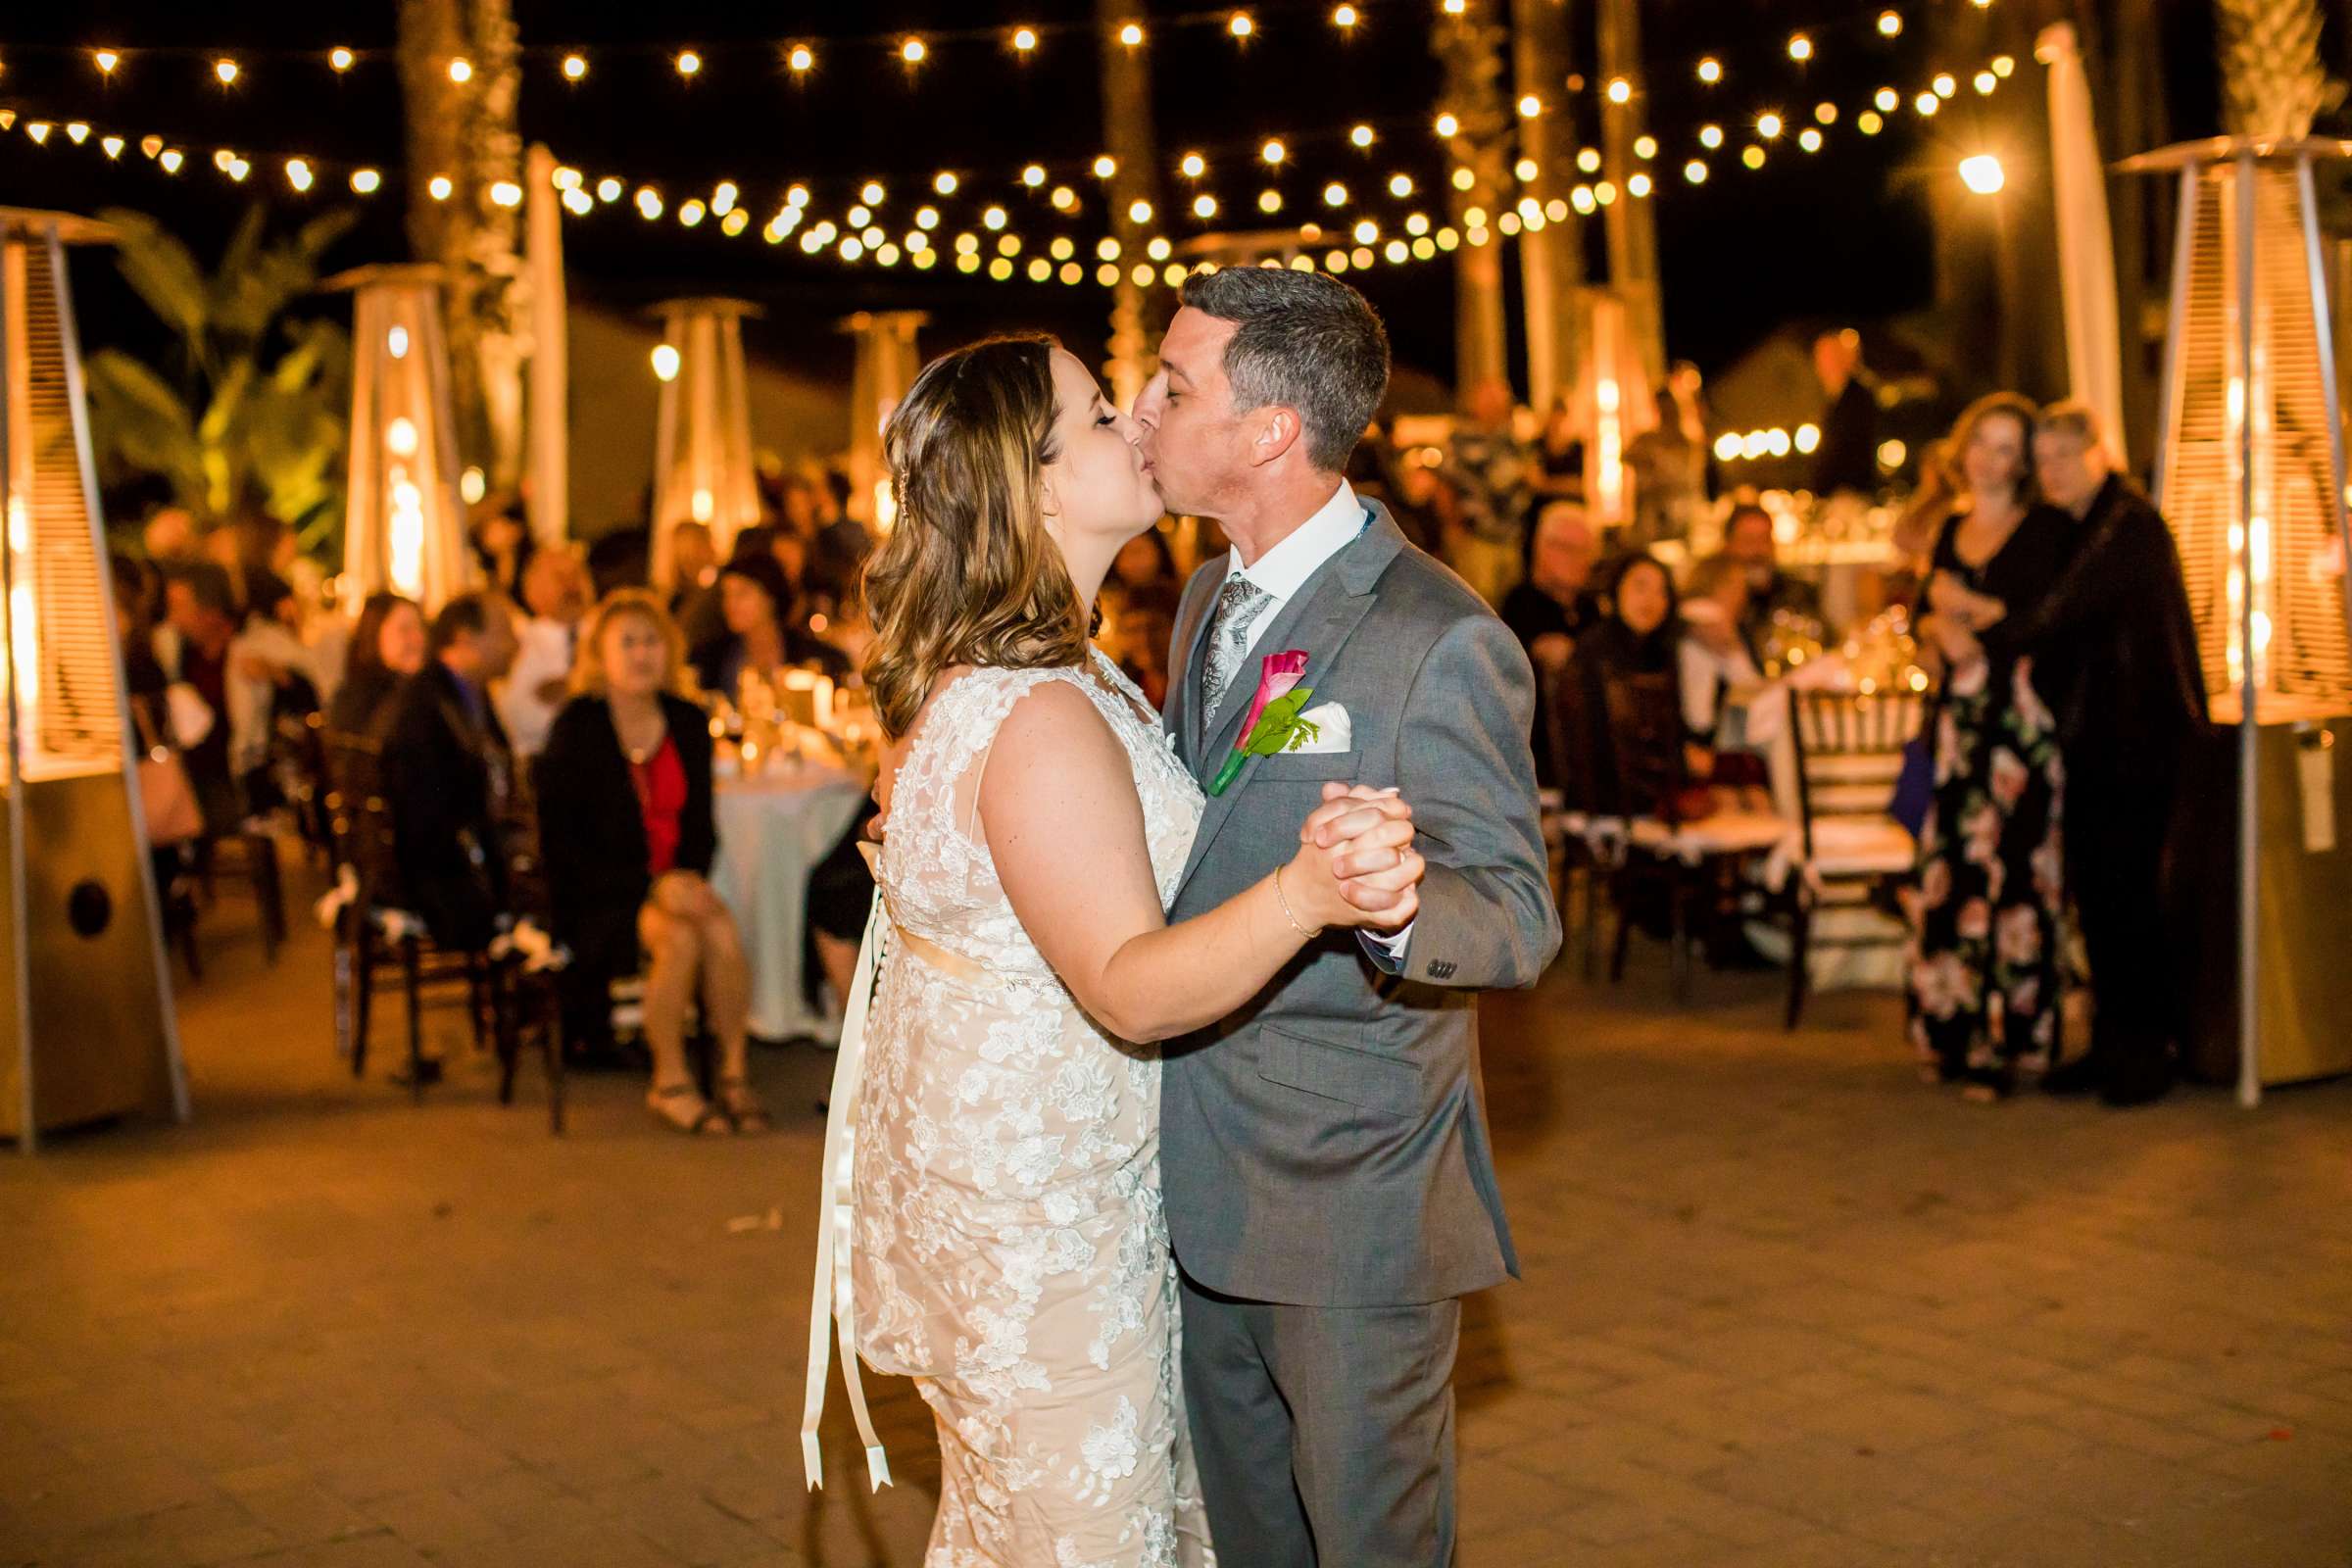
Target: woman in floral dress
[(1988, 911)]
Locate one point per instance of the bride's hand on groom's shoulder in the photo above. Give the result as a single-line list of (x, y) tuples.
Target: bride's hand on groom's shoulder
[(1357, 857)]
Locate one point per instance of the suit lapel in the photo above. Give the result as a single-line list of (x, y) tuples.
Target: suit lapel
[(1320, 619), (1184, 667)]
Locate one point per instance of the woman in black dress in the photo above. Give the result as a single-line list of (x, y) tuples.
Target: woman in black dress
[(1987, 912), (387, 647), (628, 837), (1639, 633)]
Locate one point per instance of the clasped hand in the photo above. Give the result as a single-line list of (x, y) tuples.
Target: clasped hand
[(1357, 865)]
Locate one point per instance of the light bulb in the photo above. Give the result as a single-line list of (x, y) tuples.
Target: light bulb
[(800, 57), (1024, 39), (227, 70), (688, 63), (574, 67), (461, 70), (912, 51), (107, 60)]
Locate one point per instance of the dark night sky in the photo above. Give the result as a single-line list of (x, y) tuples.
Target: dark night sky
[(1842, 235)]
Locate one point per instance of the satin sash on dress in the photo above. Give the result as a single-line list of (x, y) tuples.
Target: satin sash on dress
[(832, 1296)]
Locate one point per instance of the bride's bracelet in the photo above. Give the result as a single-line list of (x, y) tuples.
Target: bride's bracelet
[(1284, 899)]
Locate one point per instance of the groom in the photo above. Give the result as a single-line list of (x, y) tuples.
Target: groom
[(1329, 1184)]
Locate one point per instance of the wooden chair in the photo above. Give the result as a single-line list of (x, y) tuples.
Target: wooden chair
[(1687, 858), (1849, 750)]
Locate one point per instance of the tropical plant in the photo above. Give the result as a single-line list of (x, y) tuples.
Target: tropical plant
[(254, 411)]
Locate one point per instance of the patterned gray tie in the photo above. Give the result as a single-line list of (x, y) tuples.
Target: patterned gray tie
[(1228, 639)]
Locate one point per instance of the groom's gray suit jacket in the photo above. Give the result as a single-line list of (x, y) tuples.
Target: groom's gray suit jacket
[(1326, 1143)]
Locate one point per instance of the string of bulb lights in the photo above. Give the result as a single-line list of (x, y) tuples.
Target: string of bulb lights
[(852, 233)]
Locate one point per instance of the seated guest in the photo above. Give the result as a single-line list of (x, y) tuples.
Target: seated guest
[(694, 578), (194, 647), (555, 595), (763, 634), (1635, 635), (1748, 539), (387, 647), (1553, 605), (1715, 653), (447, 776), (626, 836)]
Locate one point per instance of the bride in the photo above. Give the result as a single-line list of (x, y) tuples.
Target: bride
[(1009, 1250)]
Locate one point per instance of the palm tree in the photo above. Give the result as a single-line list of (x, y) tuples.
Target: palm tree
[(254, 411), (2273, 81)]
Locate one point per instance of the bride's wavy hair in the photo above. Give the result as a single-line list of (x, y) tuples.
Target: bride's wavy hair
[(968, 574)]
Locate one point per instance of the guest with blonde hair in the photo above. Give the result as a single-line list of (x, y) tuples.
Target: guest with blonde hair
[(627, 838)]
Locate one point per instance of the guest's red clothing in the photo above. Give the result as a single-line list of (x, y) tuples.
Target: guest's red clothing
[(661, 799)]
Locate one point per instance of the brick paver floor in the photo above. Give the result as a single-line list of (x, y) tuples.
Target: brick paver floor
[(1783, 1306)]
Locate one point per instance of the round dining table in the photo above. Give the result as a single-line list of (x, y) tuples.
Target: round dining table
[(775, 825)]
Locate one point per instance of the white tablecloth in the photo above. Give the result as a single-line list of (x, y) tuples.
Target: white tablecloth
[(773, 830)]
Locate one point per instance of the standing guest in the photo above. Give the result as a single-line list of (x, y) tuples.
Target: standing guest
[(1988, 914), (763, 635), (627, 838), (1847, 459), (1561, 454), (1715, 656), (503, 546), (387, 647), (1669, 466), (693, 579), (448, 775), (1492, 476), (555, 596), (2131, 708), (1553, 608), (1748, 538)]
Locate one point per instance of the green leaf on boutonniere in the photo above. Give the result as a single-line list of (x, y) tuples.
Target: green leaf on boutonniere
[(1279, 728)]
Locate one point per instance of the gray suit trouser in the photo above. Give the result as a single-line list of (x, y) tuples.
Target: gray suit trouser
[(1362, 1476)]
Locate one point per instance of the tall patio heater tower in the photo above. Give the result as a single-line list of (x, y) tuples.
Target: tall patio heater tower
[(703, 428), (2250, 472), (86, 1028)]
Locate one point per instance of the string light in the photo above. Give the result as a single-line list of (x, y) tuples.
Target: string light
[(1885, 100), (1826, 113), (439, 187), (1646, 147), (1984, 83), (1241, 26), (1637, 185), (688, 63), (1621, 91), (1587, 159), (799, 58), (1891, 24), (994, 217), (1343, 16), (1809, 139), (1335, 194), (1525, 170), (1105, 166), (1139, 211), (1065, 199), (1927, 102), (1455, 8), (77, 133), (113, 145), (945, 184), (1868, 123), (1131, 35), (169, 158), (608, 190), (461, 70), (106, 60), (1361, 135), (871, 193), (1710, 70), (1400, 185), (298, 173), (575, 67), (1273, 152), (1194, 166), (366, 181), (1530, 107), (1800, 48), (649, 202), (2002, 65), (1752, 156), (339, 59), (1768, 126), (227, 70), (1204, 205), (1710, 136), (1033, 175), (1448, 127), (722, 196), (1269, 201), (1024, 39)]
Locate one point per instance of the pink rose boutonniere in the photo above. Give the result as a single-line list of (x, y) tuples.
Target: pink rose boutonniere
[(1274, 723)]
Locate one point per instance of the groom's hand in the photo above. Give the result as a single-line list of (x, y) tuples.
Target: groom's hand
[(1379, 869)]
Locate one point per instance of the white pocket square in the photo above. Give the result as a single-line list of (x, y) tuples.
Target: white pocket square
[(1332, 732)]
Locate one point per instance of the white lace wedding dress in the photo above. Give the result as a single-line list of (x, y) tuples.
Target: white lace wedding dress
[(1011, 1255)]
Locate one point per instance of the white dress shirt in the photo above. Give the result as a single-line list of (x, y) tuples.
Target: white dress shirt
[(544, 653), (1281, 572), (1284, 569)]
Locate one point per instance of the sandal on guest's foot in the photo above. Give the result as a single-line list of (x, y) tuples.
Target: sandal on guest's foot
[(683, 1106), (743, 1106)]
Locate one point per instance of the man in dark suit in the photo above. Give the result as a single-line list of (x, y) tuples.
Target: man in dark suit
[(446, 772)]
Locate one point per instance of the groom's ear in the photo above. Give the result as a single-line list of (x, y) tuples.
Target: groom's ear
[(1278, 430)]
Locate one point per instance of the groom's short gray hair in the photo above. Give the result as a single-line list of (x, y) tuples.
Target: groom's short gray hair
[(1303, 341)]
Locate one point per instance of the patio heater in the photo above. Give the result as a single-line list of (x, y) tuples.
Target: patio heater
[(887, 362), (1613, 403), (404, 526), (85, 1007), (702, 427), (2250, 472)]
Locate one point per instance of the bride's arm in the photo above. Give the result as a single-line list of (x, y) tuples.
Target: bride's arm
[(1060, 813)]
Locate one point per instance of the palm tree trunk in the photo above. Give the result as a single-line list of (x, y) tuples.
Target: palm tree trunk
[(468, 131), (1631, 225), (1468, 47), (1551, 260), (1127, 135)]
